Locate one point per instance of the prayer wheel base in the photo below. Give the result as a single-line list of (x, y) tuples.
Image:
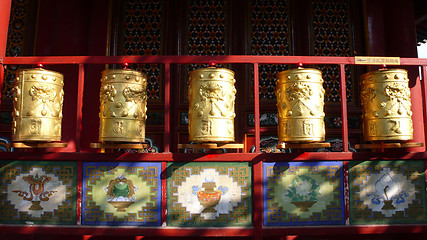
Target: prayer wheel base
[(303, 145), (39, 145), (379, 145), (212, 146), (119, 145)]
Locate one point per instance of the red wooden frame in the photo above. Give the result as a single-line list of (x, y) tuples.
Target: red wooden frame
[(228, 59), (258, 231)]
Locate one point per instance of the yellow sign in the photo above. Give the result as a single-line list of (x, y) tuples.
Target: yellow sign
[(377, 60)]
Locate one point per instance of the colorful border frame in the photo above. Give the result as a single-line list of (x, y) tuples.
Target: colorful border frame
[(54, 181), (100, 209), (296, 193), (186, 181), (403, 183)]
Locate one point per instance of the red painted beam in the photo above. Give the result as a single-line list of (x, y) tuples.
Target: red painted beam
[(214, 232), (127, 231), (181, 59), (248, 59), (225, 157)]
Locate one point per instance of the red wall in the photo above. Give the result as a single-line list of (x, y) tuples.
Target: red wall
[(77, 27)]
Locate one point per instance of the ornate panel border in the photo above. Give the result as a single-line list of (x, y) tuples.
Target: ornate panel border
[(38, 192), (121, 193), (303, 193), (213, 194), (387, 192)]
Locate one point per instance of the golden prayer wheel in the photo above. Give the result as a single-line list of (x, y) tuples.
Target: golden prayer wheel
[(300, 101), (123, 108), (386, 105), (211, 113), (38, 96)]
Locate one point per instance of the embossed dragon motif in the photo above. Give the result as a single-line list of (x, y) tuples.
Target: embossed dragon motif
[(299, 93), (46, 97), (108, 93), (399, 95), (211, 95), (134, 94)]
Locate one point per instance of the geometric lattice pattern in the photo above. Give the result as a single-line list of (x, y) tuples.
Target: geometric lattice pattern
[(386, 192), (269, 36), (142, 36), (303, 193), (18, 24), (331, 37), (38, 192), (209, 194), (121, 193), (206, 29)]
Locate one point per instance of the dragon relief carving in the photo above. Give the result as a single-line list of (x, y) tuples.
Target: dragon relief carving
[(299, 93), (136, 96), (398, 94), (107, 94), (213, 101), (45, 97)]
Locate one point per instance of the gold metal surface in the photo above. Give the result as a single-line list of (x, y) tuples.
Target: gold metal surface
[(300, 101), (211, 112), (386, 105), (123, 106), (37, 99)]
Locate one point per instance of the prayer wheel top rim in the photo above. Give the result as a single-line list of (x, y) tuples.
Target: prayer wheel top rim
[(124, 71), (40, 71), (383, 71), (296, 71), (209, 69)]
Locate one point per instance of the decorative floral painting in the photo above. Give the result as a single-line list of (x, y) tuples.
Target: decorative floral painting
[(303, 193), (38, 192), (387, 192), (209, 194), (121, 193)]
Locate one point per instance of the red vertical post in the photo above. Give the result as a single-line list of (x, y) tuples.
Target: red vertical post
[(80, 89), (256, 108), (344, 108), (424, 96), (167, 140), (4, 26), (1, 76)]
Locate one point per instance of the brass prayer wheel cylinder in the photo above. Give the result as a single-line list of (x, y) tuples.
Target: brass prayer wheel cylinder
[(123, 108), (300, 102), (386, 105), (211, 112), (38, 97)]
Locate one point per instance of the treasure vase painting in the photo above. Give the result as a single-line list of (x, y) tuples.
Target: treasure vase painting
[(209, 194), (387, 192), (121, 193), (303, 193), (38, 192)]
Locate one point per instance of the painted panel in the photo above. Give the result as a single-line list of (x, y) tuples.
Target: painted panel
[(303, 193), (121, 193), (209, 194), (384, 192), (38, 192)]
